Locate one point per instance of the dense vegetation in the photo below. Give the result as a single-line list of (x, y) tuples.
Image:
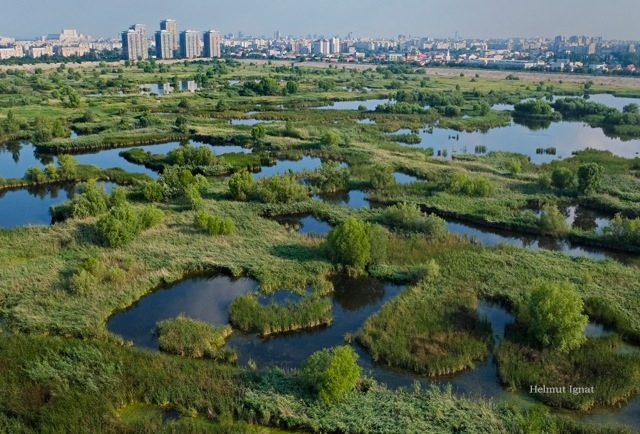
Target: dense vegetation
[(61, 283)]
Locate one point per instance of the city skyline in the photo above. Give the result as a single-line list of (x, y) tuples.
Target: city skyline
[(373, 18)]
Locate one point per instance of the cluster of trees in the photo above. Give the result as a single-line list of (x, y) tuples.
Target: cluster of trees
[(596, 113), (67, 170), (356, 244), (330, 178), (45, 129), (536, 109), (400, 107), (124, 223), (190, 156), (431, 99), (552, 222), (10, 126), (214, 225), (588, 179), (276, 189), (409, 217), (267, 86), (623, 230), (459, 183), (175, 183), (382, 177)]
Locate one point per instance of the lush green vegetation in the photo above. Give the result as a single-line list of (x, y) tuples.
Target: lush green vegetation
[(60, 283), (428, 332), (190, 338), (248, 314)]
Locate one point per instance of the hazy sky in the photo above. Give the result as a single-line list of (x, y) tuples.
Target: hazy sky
[(613, 19)]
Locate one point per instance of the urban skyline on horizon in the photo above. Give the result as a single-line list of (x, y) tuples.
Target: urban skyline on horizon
[(469, 19)]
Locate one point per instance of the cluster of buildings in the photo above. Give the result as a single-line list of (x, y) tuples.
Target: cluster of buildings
[(65, 44), (169, 43)]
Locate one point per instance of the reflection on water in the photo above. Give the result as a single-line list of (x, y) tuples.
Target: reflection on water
[(204, 299), (304, 224), (369, 104), (30, 206), (351, 199)]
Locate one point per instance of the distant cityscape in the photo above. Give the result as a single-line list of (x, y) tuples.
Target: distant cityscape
[(581, 53)]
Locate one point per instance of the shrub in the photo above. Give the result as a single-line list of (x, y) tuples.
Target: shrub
[(119, 227), (515, 166), (151, 216), (118, 197), (382, 177), (459, 183), (330, 178), (553, 313), (330, 139), (348, 244), (191, 156), (152, 192), (281, 189), (590, 178), (35, 174), (623, 230), (379, 241), (258, 132), (332, 373), (193, 198), (562, 178), (92, 201), (552, 222), (214, 225), (241, 185), (68, 166), (409, 217)]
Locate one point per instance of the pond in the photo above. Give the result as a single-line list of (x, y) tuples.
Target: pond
[(30, 206), (370, 104), (354, 300), (307, 224), (283, 166), (165, 88), (351, 199), (250, 122), (16, 158), (403, 178), (565, 137)]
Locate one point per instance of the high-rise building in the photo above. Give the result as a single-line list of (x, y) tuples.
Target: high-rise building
[(190, 44), (321, 46), (171, 26), (334, 46), (164, 44), (135, 43), (212, 44)]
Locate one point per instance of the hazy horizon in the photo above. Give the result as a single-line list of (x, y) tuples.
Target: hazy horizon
[(374, 18)]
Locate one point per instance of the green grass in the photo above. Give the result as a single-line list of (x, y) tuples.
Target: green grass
[(190, 338), (427, 332), (614, 376)]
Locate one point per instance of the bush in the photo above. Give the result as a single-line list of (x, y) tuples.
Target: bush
[(118, 197), (515, 166), (214, 225), (190, 156), (553, 313), (35, 174), (241, 185), (552, 222), (382, 177), (459, 183), (623, 230), (330, 178), (92, 201), (68, 166), (119, 227), (348, 244), (379, 241), (330, 139), (562, 178), (152, 192), (410, 218), (590, 178), (151, 216), (332, 373), (258, 132), (281, 189)]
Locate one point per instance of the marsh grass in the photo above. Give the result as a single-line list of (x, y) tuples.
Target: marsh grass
[(190, 338)]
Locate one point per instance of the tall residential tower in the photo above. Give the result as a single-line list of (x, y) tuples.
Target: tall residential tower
[(135, 43), (190, 44), (164, 44), (212, 44), (172, 27)]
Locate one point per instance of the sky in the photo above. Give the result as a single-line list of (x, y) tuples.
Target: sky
[(612, 19)]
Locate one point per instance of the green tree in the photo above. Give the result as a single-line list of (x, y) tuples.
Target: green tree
[(68, 166), (182, 125), (291, 87), (119, 227), (258, 132), (562, 178), (241, 185), (553, 313), (332, 372), (515, 166), (590, 178), (382, 177), (348, 244), (379, 242), (552, 222), (330, 138)]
